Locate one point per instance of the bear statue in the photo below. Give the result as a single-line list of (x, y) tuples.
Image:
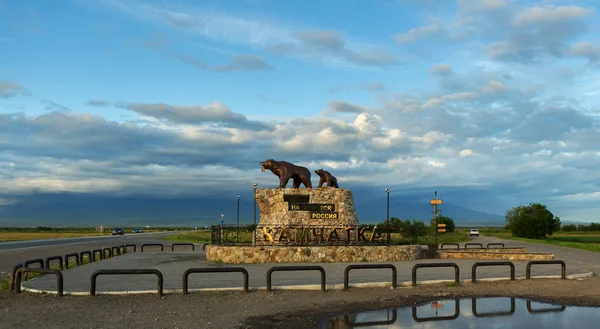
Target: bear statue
[(285, 170), (327, 178)]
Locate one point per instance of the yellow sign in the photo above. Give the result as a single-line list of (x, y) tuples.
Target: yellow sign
[(441, 225), (435, 201), (442, 230)]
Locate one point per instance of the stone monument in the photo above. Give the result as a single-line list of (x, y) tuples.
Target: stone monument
[(326, 213)]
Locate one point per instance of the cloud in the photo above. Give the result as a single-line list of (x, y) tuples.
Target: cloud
[(550, 15), (242, 62), (339, 106), (587, 50), (98, 103), (376, 86), (324, 46), (215, 112), (9, 89), (441, 69), (330, 45), (416, 34)]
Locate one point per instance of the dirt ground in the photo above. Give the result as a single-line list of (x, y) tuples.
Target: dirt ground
[(261, 309)]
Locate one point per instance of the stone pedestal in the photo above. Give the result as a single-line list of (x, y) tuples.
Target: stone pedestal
[(309, 207)]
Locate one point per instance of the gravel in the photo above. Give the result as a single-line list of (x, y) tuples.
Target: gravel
[(262, 309)]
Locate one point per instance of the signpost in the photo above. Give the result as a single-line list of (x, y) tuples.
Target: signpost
[(440, 227)]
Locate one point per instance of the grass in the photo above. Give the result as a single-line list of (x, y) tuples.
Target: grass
[(194, 237), (586, 240)]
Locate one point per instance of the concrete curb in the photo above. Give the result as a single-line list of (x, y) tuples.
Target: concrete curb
[(310, 287)]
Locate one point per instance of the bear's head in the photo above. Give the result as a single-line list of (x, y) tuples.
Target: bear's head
[(269, 164), (319, 172)]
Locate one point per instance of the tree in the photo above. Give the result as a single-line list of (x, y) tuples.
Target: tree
[(534, 221), (569, 228), (445, 220)]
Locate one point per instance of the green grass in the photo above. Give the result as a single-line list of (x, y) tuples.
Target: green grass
[(562, 239), (194, 237)]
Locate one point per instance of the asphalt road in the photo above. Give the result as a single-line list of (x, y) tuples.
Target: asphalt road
[(583, 259), (14, 252)]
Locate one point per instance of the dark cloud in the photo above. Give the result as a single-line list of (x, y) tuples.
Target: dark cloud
[(339, 106)]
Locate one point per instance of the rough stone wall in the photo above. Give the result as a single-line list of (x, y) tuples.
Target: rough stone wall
[(518, 256), (274, 210), (311, 254)]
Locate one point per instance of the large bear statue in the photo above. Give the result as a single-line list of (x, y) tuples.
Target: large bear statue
[(285, 170)]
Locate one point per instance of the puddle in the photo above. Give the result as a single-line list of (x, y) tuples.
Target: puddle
[(504, 312)]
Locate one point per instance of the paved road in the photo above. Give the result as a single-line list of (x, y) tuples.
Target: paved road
[(583, 259), (173, 264), (14, 252)]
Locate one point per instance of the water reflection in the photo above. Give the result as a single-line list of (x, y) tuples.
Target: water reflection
[(476, 313)]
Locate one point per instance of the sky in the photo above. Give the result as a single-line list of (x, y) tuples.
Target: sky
[(492, 103)]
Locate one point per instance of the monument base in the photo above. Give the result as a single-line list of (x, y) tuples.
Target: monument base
[(311, 254)]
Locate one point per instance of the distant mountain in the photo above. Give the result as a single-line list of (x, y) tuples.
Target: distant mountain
[(71, 209)]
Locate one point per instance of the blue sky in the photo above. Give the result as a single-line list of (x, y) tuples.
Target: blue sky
[(177, 98)]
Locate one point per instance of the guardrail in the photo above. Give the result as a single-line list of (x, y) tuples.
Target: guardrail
[(23, 270), (187, 273), (492, 314), (13, 276), (182, 244), (296, 268), (563, 272), (387, 322), (204, 246), (495, 244), (109, 252), (449, 244), (71, 255), (115, 251), (499, 263), (153, 245), (473, 244), (128, 272), (131, 245), (430, 265), (438, 318), (88, 253), (370, 266), (544, 310), (51, 258), (96, 252), (34, 261)]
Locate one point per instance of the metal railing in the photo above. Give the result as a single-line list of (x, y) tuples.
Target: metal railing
[(296, 268), (370, 266)]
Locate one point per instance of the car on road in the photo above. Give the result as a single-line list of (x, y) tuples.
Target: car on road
[(118, 231), (139, 230), (474, 232)]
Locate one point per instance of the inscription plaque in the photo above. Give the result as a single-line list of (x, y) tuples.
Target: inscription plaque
[(296, 198), (311, 207)]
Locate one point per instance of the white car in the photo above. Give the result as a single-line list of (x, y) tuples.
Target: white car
[(474, 232)]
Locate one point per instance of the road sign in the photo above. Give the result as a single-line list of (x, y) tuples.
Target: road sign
[(435, 201), (442, 230), (441, 225)]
